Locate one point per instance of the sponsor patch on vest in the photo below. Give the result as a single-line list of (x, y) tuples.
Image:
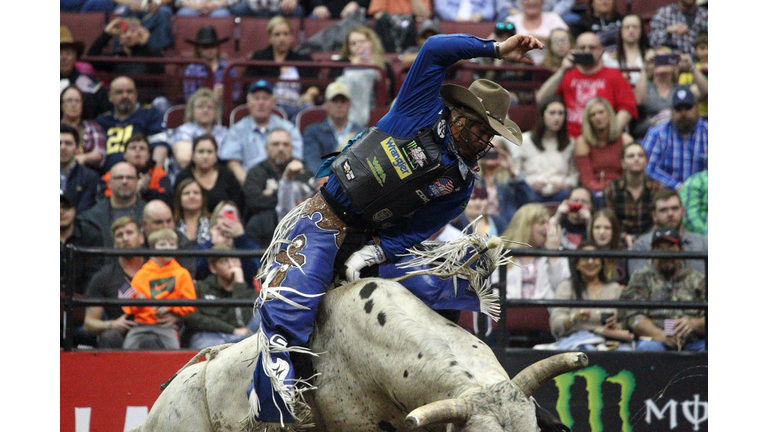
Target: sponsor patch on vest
[(415, 154), (348, 171), (382, 215), (377, 170), (396, 157), (440, 187), (422, 196), (441, 128)]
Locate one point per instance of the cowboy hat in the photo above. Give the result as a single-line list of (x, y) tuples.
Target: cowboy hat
[(489, 101), (67, 41), (206, 36)]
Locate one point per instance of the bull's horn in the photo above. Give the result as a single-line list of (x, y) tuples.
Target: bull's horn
[(534, 376), (443, 411)]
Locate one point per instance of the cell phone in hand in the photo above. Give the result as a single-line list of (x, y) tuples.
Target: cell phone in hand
[(666, 59), (123, 26), (230, 214), (583, 59), (574, 207)]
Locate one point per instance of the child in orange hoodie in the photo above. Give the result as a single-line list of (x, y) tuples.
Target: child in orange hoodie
[(159, 278)]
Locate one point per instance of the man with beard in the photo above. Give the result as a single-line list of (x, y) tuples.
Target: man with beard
[(677, 148), (127, 118), (265, 179), (667, 279), (125, 201), (109, 324)]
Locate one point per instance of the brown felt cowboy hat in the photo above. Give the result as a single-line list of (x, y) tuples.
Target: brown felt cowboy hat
[(207, 36), (489, 101), (67, 41)]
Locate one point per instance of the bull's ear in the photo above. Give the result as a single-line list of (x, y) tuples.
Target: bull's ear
[(444, 411), (534, 376)]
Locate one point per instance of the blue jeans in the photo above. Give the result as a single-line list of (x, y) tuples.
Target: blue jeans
[(242, 9), (524, 194), (653, 345), (204, 339)]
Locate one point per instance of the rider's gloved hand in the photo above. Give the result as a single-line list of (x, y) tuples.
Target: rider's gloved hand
[(367, 255)]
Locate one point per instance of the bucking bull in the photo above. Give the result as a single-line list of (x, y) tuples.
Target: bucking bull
[(384, 361)]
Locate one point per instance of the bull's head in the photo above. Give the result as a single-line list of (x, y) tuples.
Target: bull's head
[(506, 406)]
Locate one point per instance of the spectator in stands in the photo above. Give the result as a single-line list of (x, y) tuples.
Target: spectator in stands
[(657, 84), (544, 163), (95, 99), (202, 116), (218, 182), (580, 84), (289, 94), (159, 278), (363, 47), (158, 215), (631, 46), (110, 323), (125, 201), (216, 325), (501, 31), (92, 135), (678, 148), (534, 277), (208, 47), (573, 216), (678, 24), (459, 11), (202, 8), (133, 41), (334, 9), (601, 18), (427, 28), (694, 197), (244, 145), (265, 179), (597, 151), (153, 180), (668, 211), (605, 233), (508, 8), (559, 44), (77, 232), (498, 176), (573, 327), (701, 52), (532, 20), (420, 9), (227, 228), (667, 279), (631, 196), (127, 118), (271, 8), (325, 136), (476, 212), (190, 211), (155, 16), (78, 182)]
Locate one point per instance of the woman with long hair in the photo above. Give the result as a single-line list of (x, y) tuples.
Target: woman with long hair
[(605, 233), (218, 182), (559, 44), (630, 197), (603, 19), (477, 212), (631, 46), (545, 162), (497, 175), (190, 211), (532, 20), (92, 136), (572, 326), (598, 148)]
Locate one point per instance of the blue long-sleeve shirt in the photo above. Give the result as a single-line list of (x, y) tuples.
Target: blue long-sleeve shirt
[(673, 158), (419, 105)]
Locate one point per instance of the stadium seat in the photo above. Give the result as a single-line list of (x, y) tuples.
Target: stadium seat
[(253, 34), (185, 28), (310, 115), (85, 26), (312, 26), (524, 116), (174, 117), (481, 29), (241, 111)]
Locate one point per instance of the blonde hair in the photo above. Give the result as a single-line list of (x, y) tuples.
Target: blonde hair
[(276, 21), (378, 49), (550, 59), (201, 94), (614, 132), (162, 234), (219, 206), (521, 226)]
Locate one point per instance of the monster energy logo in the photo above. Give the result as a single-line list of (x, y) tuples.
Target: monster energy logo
[(595, 376), (377, 170)]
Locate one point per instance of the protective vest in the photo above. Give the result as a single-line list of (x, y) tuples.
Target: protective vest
[(387, 178)]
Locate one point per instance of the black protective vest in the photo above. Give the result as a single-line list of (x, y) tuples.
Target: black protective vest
[(387, 178)]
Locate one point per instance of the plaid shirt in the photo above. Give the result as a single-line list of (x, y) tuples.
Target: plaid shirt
[(673, 158), (258, 5), (197, 70), (93, 137), (668, 15), (694, 194), (634, 216)]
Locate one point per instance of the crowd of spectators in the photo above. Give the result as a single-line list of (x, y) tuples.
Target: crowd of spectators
[(615, 160)]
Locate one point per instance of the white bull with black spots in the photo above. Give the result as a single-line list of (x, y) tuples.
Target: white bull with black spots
[(386, 363)]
